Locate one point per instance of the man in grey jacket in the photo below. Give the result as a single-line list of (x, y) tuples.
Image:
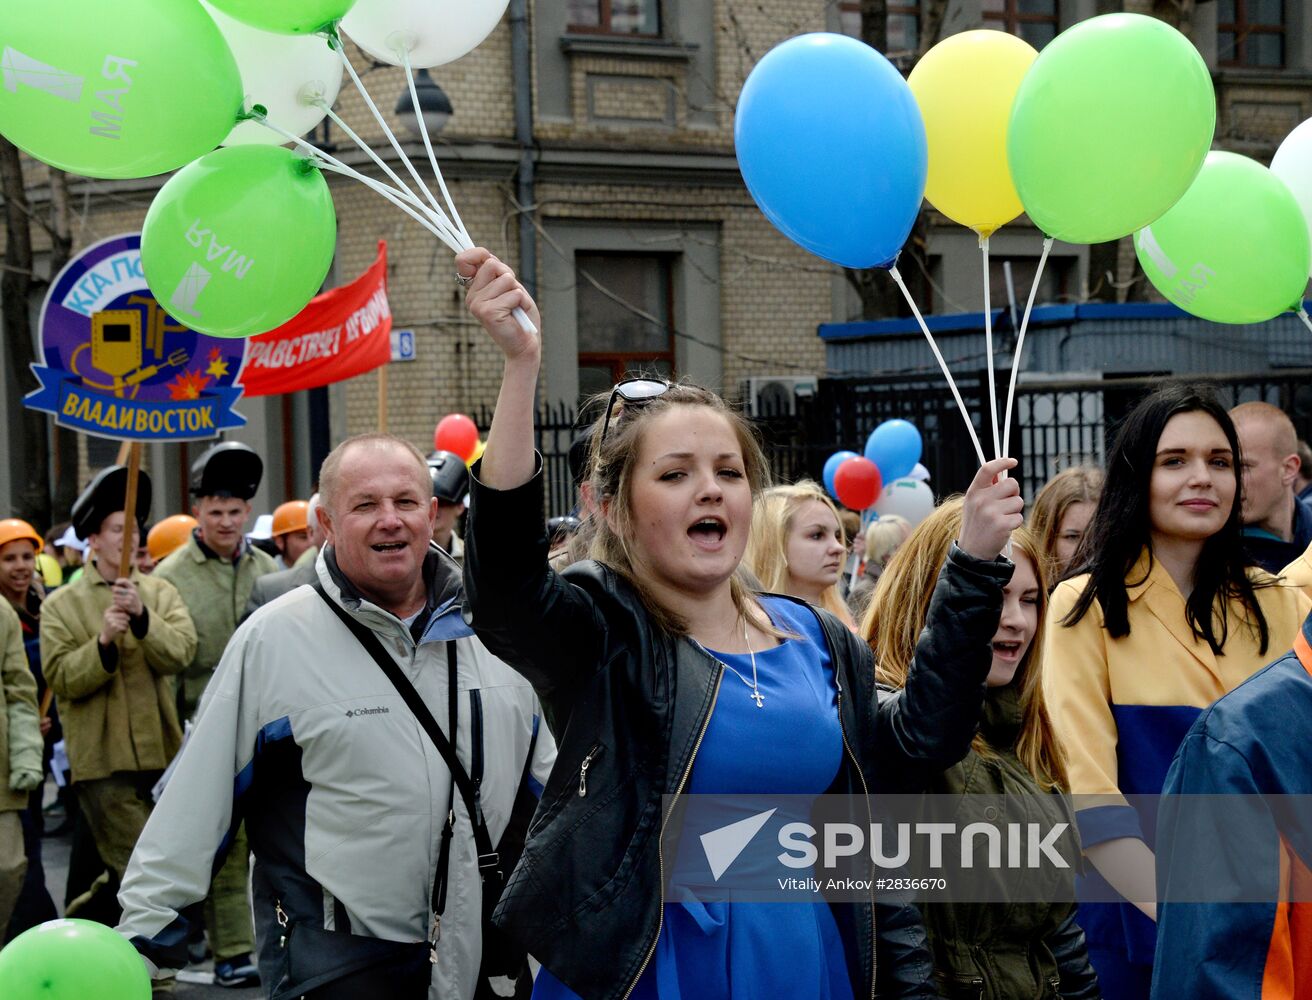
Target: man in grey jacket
[(301, 733)]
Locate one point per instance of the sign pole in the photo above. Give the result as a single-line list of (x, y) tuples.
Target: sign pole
[(130, 509), (382, 399)]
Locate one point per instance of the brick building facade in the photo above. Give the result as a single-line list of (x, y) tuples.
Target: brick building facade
[(640, 229)]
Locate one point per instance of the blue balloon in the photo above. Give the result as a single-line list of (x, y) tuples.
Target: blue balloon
[(894, 446), (831, 466), (832, 146)]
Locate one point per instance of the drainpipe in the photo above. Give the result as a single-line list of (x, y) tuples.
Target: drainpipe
[(522, 73)]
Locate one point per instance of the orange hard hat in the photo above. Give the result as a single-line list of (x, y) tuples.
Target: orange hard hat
[(12, 529), (294, 515), (169, 535)]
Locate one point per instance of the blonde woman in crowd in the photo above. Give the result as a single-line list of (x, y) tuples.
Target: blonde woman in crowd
[(883, 538), (1060, 514), (797, 546), (662, 674), (1012, 950)]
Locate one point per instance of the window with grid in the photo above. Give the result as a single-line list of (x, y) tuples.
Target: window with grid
[(1250, 33), (625, 302), (903, 25), (1033, 20), (635, 18)]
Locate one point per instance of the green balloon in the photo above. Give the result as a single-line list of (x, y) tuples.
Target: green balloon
[(72, 960), (1234, 249), (288, 17), (1109, 127), (238, 242), (130, 90)]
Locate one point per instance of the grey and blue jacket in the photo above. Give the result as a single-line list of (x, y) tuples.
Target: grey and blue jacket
[(343, 794)]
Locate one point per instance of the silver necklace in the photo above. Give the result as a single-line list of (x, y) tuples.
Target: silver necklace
[(756, 695)]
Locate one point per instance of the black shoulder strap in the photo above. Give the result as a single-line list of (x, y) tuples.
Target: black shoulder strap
[(488, 861)]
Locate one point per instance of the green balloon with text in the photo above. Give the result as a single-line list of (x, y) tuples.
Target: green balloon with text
[(129, 89), (288, 17), (1234, 249), (1109, 127), (238, 242)]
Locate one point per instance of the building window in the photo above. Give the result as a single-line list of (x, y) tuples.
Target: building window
[(625, 302), (1054, 286), (903, 27), (641, 18), (1033, 20), (1250, 33)]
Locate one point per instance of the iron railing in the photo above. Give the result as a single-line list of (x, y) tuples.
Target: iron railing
[(1056, 424)]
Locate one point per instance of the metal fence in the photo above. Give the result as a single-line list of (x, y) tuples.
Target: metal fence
[(1056, 424)]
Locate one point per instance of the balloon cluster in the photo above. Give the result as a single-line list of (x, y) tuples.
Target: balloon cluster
[(892, 452), (1104, 134), (241, 237)]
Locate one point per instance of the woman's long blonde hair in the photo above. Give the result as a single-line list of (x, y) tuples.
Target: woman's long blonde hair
[(1078, 484), (897, 614), (767, 548), (611, 463)]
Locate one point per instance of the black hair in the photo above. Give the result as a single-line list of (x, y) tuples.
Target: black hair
[(1121, 528)]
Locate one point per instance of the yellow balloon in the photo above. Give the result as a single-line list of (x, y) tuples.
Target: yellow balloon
[(478, 453), (965, 86)]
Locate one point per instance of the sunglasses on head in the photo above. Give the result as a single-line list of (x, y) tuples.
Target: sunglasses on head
[(632, 391)]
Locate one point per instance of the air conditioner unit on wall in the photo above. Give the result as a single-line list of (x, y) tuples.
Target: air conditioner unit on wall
[(776, 395)]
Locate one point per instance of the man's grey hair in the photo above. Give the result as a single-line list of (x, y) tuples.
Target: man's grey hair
[(330, 472)]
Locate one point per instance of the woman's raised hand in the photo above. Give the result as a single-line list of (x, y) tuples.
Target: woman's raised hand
[(993, 510), (492, 298)]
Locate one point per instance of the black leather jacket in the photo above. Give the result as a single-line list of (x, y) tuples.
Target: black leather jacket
[(586, 897)]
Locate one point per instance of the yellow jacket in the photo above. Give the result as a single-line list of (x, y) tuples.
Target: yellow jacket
[(1299, 572), (1122, 706), (124, 719)]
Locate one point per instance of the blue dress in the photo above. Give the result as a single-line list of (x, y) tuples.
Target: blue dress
[(791, 745)]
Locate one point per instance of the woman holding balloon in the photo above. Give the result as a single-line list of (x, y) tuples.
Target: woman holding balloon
[(660, 674)]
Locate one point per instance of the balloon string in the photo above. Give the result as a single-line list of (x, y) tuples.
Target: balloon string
[(428, 148), (382, 122), (956, 394), (453, 237), (988, 346), (1020, 344), (329, 162), (392, 196), (1302, 314), (464, 243)]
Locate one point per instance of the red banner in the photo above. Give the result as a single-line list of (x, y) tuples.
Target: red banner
[(340, 334)]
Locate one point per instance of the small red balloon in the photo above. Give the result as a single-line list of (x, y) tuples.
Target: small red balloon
[(457, 434), (857, 483)]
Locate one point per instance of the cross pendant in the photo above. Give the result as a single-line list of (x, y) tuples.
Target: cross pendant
[(757, 697)]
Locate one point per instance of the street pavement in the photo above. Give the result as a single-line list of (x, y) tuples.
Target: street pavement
[(194, 982)]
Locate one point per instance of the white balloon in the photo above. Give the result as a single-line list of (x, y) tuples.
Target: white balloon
[(919, 473), (433, 32), (908, 498), (1293, 165), (287, 74)]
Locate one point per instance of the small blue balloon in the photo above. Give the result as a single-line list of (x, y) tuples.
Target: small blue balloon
[(831, 466), (832, 147), (894, 446)]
